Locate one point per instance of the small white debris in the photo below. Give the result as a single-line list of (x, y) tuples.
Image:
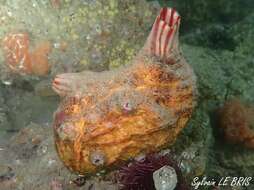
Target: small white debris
[(140, 157), (57, 45), (7, 82), (51, 162)]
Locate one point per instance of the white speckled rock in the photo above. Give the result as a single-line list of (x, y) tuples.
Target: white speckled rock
[(165, 178)]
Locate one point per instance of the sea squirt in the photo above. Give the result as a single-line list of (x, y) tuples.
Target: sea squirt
[(136, 109)]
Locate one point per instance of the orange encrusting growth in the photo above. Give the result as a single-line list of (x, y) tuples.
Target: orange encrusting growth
[(39, 57), (55, 3), (236, 121), (16, 51), (129, 111), (20, 59)]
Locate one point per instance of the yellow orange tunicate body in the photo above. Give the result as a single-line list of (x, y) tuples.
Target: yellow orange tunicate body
[(123, 113)]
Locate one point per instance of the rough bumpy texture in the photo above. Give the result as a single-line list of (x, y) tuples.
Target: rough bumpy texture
[(120, 114), (236, 122), (86, 34), (20, 59), (137, 110)]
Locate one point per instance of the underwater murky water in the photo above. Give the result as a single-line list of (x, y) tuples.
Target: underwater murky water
[(128, 121)]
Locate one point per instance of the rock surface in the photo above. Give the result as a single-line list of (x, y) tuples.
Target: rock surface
[(222, 73), (95, 35), (34, 163)]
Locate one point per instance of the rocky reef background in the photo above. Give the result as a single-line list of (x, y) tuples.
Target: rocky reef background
[(217, 40)]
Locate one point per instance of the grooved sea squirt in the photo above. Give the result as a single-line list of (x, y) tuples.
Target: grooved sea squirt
[(109, 117)]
